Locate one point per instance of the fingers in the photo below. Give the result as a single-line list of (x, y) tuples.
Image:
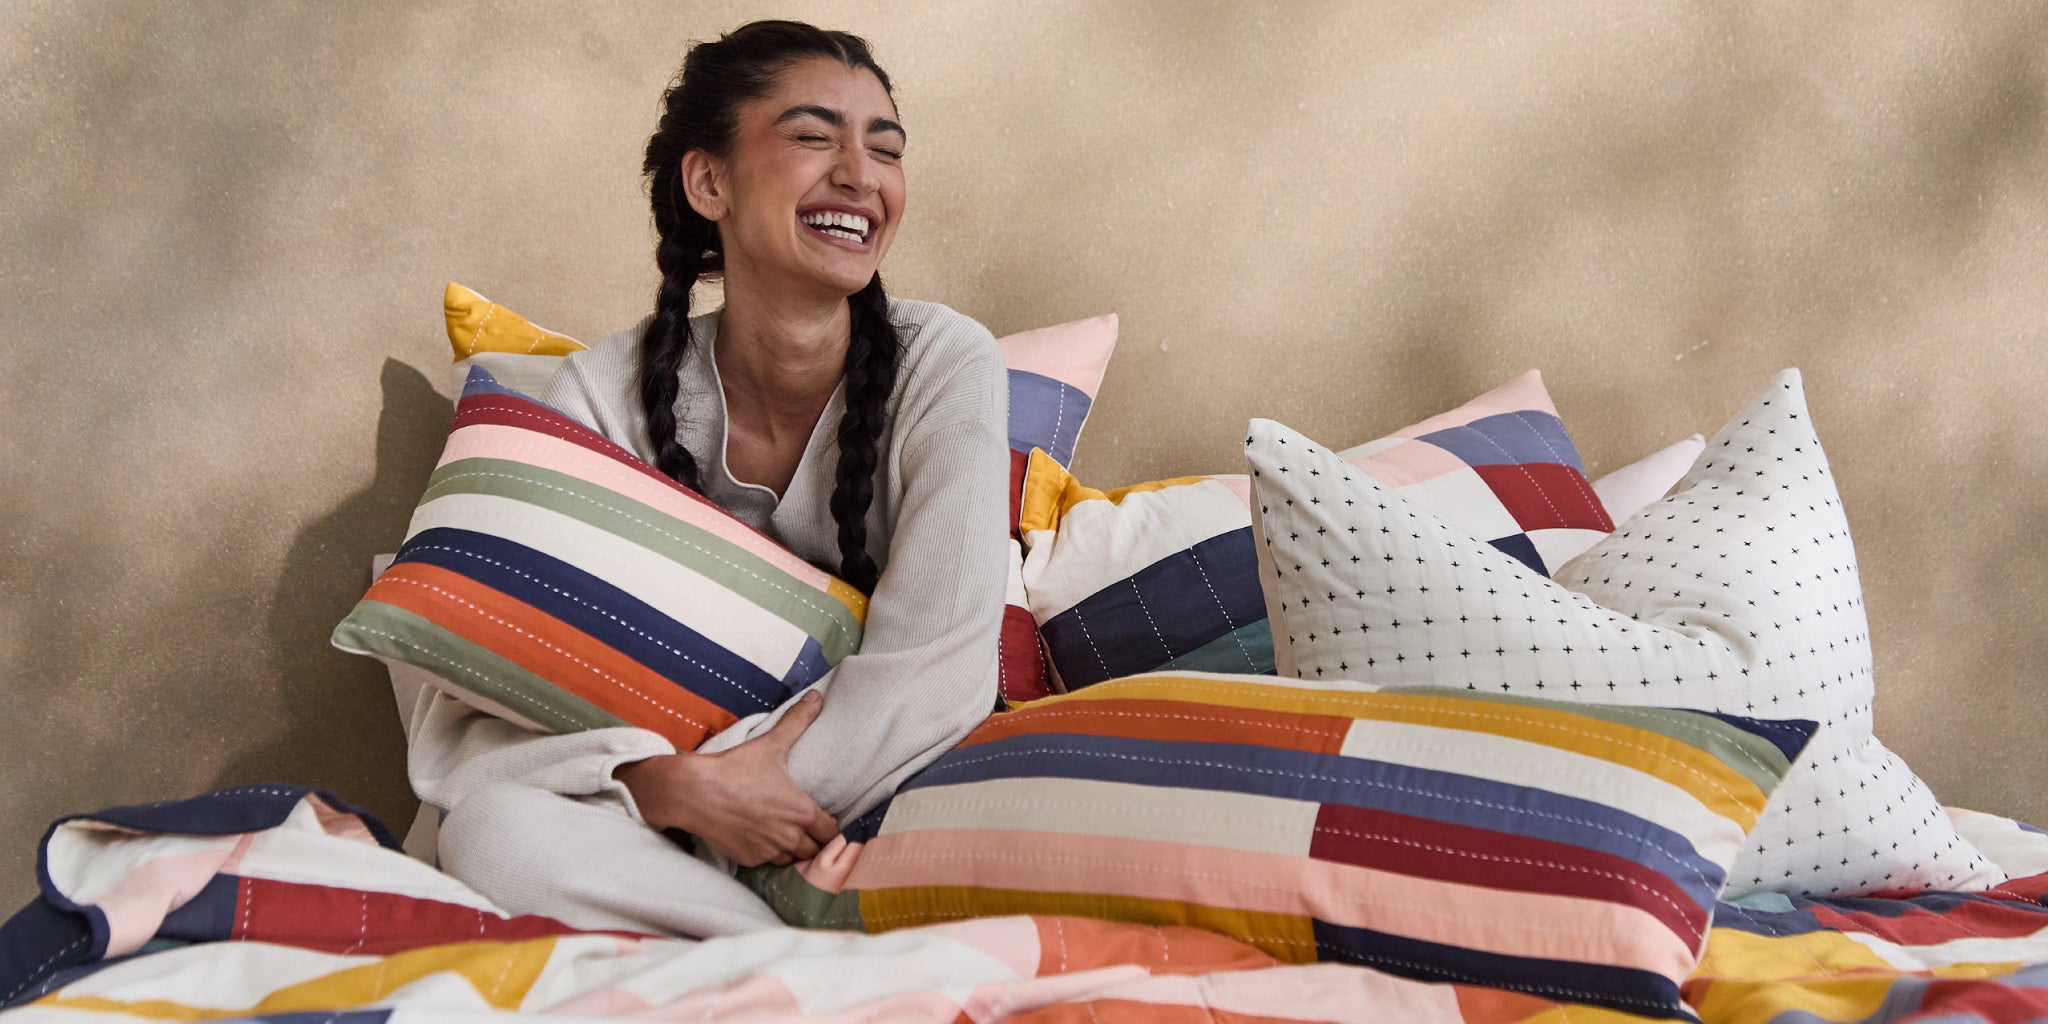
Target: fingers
[(795, 721), (822, 828)]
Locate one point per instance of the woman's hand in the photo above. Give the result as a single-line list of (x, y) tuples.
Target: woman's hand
[(740, 800)]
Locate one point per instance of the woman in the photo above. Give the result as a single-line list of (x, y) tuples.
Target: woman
[(865, 433)]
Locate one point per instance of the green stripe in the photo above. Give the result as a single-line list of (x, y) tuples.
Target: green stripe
[(1246, 649), (1750, 755), (825, 618), (388, 631), (799, 903)]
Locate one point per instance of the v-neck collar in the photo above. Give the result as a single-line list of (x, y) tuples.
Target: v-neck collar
[(704, 406)]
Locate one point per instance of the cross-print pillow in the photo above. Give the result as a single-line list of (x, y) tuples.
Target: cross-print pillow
[(1565, 851), (1162, 575), (1054, 374), (1736, 594)]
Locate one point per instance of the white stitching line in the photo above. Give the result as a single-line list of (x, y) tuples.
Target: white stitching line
[(1156, 635), (490, 310), (1519, 467), (439, 663), (594, 670), (1417, 908), (1579, 478), (1090, 637), (794, 595), (1686, 722), (1510, 809), (1228, 620), (765, 701), (37, 974)]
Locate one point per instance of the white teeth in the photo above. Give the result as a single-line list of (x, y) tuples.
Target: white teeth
[(851, 226)]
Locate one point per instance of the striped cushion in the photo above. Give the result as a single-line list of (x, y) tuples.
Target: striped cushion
[(1054, 375), (1567, 851), (1162, 575), (555, 579)]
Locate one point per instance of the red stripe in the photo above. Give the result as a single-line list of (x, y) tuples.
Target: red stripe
[(1985, 999), (1019, 461), (341, 920), (1924, 927), (1019, 658), (1448, 852), (1171, 721), (1546, 495), (525, 414)]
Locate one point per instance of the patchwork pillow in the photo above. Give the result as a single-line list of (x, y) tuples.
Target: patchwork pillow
[(1162, 575), (1737, 594), (1055, 373), (553, 578), (1566, 851)]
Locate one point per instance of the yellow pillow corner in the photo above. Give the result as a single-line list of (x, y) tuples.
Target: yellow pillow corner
[(476, 325)]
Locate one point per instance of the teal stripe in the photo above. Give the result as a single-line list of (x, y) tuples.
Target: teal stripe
[(1247, 649), (388, 631), (747, 575)]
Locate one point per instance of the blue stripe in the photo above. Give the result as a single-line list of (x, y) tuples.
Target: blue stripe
[(1167, 610), (1333, 779), (1045, 413), (610, 615), (1509, 439), (1789, 735), (1619, 988)]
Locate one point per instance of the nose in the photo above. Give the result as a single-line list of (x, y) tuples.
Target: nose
[(855, 170)]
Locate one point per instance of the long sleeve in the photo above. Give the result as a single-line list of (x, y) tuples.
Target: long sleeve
[(925, 674), (453, 750)]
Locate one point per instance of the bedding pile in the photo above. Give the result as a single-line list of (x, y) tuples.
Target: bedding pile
[(1432, 728), (282, 903)]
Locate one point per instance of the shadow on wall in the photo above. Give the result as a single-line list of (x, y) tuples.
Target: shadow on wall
[(342, 728)]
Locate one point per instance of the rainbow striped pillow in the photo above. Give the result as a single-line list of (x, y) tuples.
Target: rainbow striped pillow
[(1568, 851), (553, 578)]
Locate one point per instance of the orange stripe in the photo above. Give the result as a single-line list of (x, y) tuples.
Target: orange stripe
[(1289, 938), (1172, 720), (552, 650)]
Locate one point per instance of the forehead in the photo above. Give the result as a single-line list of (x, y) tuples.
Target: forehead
[(854, 92)]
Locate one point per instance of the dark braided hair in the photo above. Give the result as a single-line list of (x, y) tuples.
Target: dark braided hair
[(700, 110)]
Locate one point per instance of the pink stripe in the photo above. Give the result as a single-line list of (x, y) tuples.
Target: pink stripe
[(1326, 993), (491, 441), (1409, 463), (1074, 354), (1524, 392), (1471, 916), (136, 905)]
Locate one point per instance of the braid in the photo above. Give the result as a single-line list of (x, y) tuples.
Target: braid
[(662, 349), (871, 353)]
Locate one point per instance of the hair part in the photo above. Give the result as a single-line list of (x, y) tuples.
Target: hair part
[(700, 111)]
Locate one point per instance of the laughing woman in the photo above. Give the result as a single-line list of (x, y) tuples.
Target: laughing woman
[(863, 432)]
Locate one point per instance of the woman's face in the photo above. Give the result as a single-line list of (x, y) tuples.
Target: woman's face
[(813, 189)]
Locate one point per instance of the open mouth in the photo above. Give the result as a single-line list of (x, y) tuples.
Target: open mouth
[(849, 228)]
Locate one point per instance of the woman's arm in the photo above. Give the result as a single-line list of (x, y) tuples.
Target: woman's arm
[(925, 674)]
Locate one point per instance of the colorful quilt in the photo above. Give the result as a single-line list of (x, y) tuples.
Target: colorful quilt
[(283, 904)]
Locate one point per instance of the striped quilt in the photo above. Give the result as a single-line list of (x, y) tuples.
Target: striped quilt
[(281, 903)]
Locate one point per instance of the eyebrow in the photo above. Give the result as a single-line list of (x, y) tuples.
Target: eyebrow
[(836, 120)]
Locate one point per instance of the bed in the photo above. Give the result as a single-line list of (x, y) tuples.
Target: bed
[(285, 904)]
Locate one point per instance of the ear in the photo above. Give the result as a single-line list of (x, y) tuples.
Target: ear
[(704, 185)]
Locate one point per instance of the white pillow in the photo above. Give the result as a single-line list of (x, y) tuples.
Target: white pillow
[(1736, 594), (1626, 490)]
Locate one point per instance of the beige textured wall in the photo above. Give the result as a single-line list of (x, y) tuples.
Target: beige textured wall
[(224, 228)]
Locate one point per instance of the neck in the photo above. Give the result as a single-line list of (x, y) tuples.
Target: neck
[(779, 360)]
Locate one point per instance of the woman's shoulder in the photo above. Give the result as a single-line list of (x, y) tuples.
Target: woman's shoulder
[(936, 336)]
